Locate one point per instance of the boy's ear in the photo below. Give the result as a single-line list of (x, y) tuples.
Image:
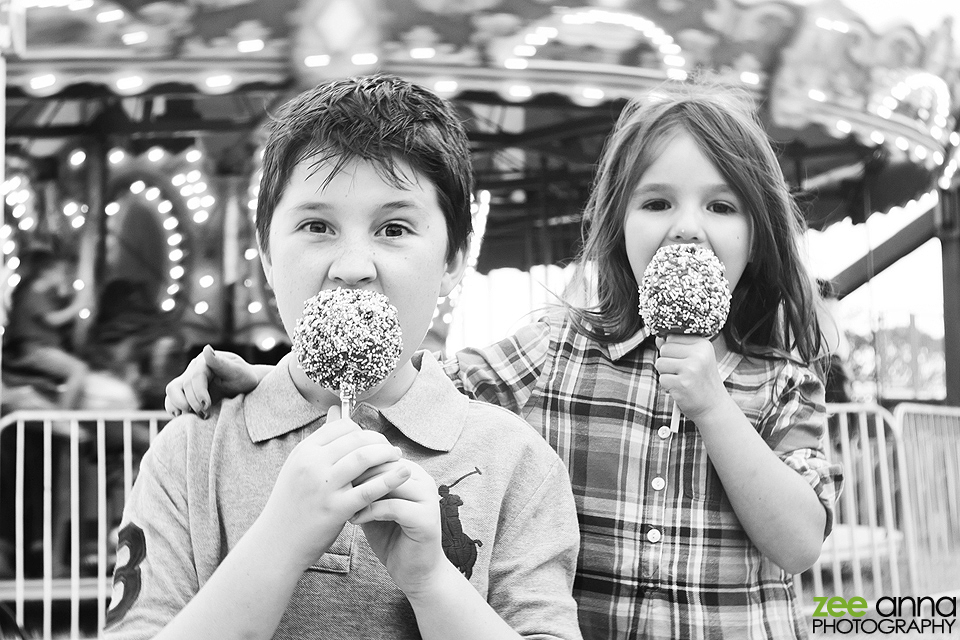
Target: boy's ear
[(267, 269), (456, 266)]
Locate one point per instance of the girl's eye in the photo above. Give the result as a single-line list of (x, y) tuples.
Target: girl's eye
[(316, 226), (724, 208), (394, 230), (656, 205)]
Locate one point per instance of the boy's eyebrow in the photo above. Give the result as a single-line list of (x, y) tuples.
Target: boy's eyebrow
[(393, 205)]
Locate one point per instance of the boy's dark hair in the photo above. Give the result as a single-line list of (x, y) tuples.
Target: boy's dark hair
[(380, 119)]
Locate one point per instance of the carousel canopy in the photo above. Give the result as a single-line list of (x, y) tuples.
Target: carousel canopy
[(863, 106)]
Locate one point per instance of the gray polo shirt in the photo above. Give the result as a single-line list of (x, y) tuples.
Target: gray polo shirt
[(508, 515)]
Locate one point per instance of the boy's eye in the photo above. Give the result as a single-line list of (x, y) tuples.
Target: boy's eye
[(394, 230), (316, 226)]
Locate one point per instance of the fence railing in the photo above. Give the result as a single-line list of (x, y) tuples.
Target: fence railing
[(64, 477)]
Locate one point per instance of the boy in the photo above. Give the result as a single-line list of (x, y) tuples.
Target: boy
[(250, 525)]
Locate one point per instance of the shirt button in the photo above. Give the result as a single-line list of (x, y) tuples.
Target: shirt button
[(654, 535), (663, 432), (658, 483)]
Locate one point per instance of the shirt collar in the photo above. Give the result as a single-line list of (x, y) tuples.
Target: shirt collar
[(431, 413), (619, 349)]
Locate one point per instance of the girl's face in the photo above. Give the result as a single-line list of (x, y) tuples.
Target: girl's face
[(682, 198)]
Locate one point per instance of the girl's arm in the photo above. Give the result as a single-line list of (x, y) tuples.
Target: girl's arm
[(777, 506), (220, 371), (505, 373)]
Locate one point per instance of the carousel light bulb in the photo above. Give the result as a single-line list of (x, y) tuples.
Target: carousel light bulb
[(137, 187), (200, 187), (186, 190), (250, 254), (13, 263), (363, 59), (112, 209), (77, 158), (423, 53), (116, 156), (78, 222), (440, 86), (134, 37), (254, 307), (207, 201), (201, 308), (26, 224), (201, 216), (129, 83), (177, 272), (152, 194), (193, 203), (194, 155), (45, 81), (170, 223), (78, 285), (18, 211), (110, 16), (194, 175), (206, 281), (316, 61), (155, 154), (267, 343), (250, 46), (9, 247), (174, 239), (168, 304), (13, 280), (5, 231), (165, 206), (172, 289), (178, 179), (84, 313), (176, 255)]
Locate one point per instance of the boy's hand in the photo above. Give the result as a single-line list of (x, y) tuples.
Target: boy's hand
[(688, 371), (224, 373), (320, 488), (403, 529)]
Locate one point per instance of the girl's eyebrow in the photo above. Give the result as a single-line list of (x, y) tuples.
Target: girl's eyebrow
[(711, 189)]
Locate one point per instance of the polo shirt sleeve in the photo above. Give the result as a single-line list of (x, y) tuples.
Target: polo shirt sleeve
[(155, 576), (505, 373), (795, 428), (535, 559)]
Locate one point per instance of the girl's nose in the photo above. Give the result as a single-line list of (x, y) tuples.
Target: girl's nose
[(353, 265), (687, 227)]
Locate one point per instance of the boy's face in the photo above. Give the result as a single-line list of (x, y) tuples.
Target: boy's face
[(361, 232)]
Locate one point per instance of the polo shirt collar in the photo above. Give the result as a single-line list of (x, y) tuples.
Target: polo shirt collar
[(431, 413)]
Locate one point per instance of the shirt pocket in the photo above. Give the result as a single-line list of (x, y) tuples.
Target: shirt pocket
[(698, 477), (338, 557)]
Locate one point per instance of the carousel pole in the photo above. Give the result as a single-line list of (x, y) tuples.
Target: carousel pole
[(948, 231)]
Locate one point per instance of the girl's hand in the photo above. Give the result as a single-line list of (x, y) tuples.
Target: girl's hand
[(223, 372), (325, 482), (688, 371), (403, 529)]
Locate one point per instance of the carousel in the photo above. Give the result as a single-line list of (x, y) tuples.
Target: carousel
[(133, 132)]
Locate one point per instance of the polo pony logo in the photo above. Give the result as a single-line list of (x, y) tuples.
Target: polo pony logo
[(459, 548)]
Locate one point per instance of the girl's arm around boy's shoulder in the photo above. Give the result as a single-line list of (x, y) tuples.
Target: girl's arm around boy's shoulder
[(505, 373)]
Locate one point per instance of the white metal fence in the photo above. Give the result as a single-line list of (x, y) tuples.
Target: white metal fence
[(64, 477)]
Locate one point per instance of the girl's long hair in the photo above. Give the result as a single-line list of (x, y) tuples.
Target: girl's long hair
[(773, 308)]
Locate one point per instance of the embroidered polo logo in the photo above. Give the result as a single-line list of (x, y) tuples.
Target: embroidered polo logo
[(459, 548)]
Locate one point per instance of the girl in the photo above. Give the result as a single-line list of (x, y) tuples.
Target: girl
[(693, 534)]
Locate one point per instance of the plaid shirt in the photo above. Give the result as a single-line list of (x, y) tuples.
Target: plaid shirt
[(662, 553)]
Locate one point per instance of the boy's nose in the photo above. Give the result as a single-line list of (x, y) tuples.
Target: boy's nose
[(353, 265)]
